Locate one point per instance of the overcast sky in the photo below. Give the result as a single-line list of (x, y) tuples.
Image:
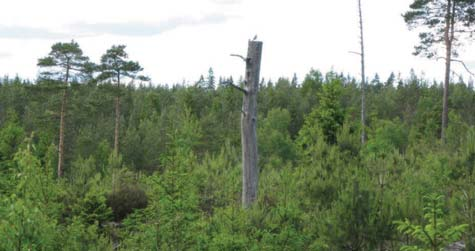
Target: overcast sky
[(178, 40)]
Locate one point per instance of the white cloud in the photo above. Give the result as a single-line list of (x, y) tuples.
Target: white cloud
[(181, 39), (4, 55), (24, 32), (82, 29), (226, 1), (144, 29)]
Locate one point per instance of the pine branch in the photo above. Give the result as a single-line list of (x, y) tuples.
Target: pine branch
[(461, 62), (236, 87)]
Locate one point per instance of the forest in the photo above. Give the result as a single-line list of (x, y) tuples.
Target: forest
[(94, 156)]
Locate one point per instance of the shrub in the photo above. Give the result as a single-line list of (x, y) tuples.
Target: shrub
[(125, 200)]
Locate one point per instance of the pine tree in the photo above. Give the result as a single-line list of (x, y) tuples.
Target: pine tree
[(445, 23), (63, 63), (115, 67)]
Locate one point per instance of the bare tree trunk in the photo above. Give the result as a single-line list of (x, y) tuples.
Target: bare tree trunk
[(117, 124), (448, 37), (363, 79), (61, 135), (61, 126), (250, 175), (117, 118)]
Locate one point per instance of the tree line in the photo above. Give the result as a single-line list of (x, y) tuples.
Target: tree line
[(176, 183)]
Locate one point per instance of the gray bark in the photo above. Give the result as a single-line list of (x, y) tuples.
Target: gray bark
[(117, 118), (61, 134), (457, 246), (117, 125), (363, 79), (250, 171)]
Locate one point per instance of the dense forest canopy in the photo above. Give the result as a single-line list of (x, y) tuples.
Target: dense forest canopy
[(176, 183)]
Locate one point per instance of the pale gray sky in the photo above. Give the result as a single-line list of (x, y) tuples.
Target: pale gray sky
[(178, 40)]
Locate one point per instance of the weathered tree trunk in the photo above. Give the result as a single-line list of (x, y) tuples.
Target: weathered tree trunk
[(448, 37), (363, 79), (117, 124), (250, 171), (117, 118), (61, 135)]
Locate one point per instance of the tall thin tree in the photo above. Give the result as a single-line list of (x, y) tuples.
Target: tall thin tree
[(363, 77), (115, 67), (64, 62), (443, 24)]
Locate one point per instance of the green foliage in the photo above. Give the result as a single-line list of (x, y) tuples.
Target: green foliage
[(229, 230), (24, 226), (125, 200), (353, 225), (319, 188), (327, 118), (62, 61), (114, 65), (275, 144), (433, 16), (173, 215), (434, 234), (83, 237), (387, 137), (11, 135), (92, 208), (28, 211), (330, 115), (11, 139)]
